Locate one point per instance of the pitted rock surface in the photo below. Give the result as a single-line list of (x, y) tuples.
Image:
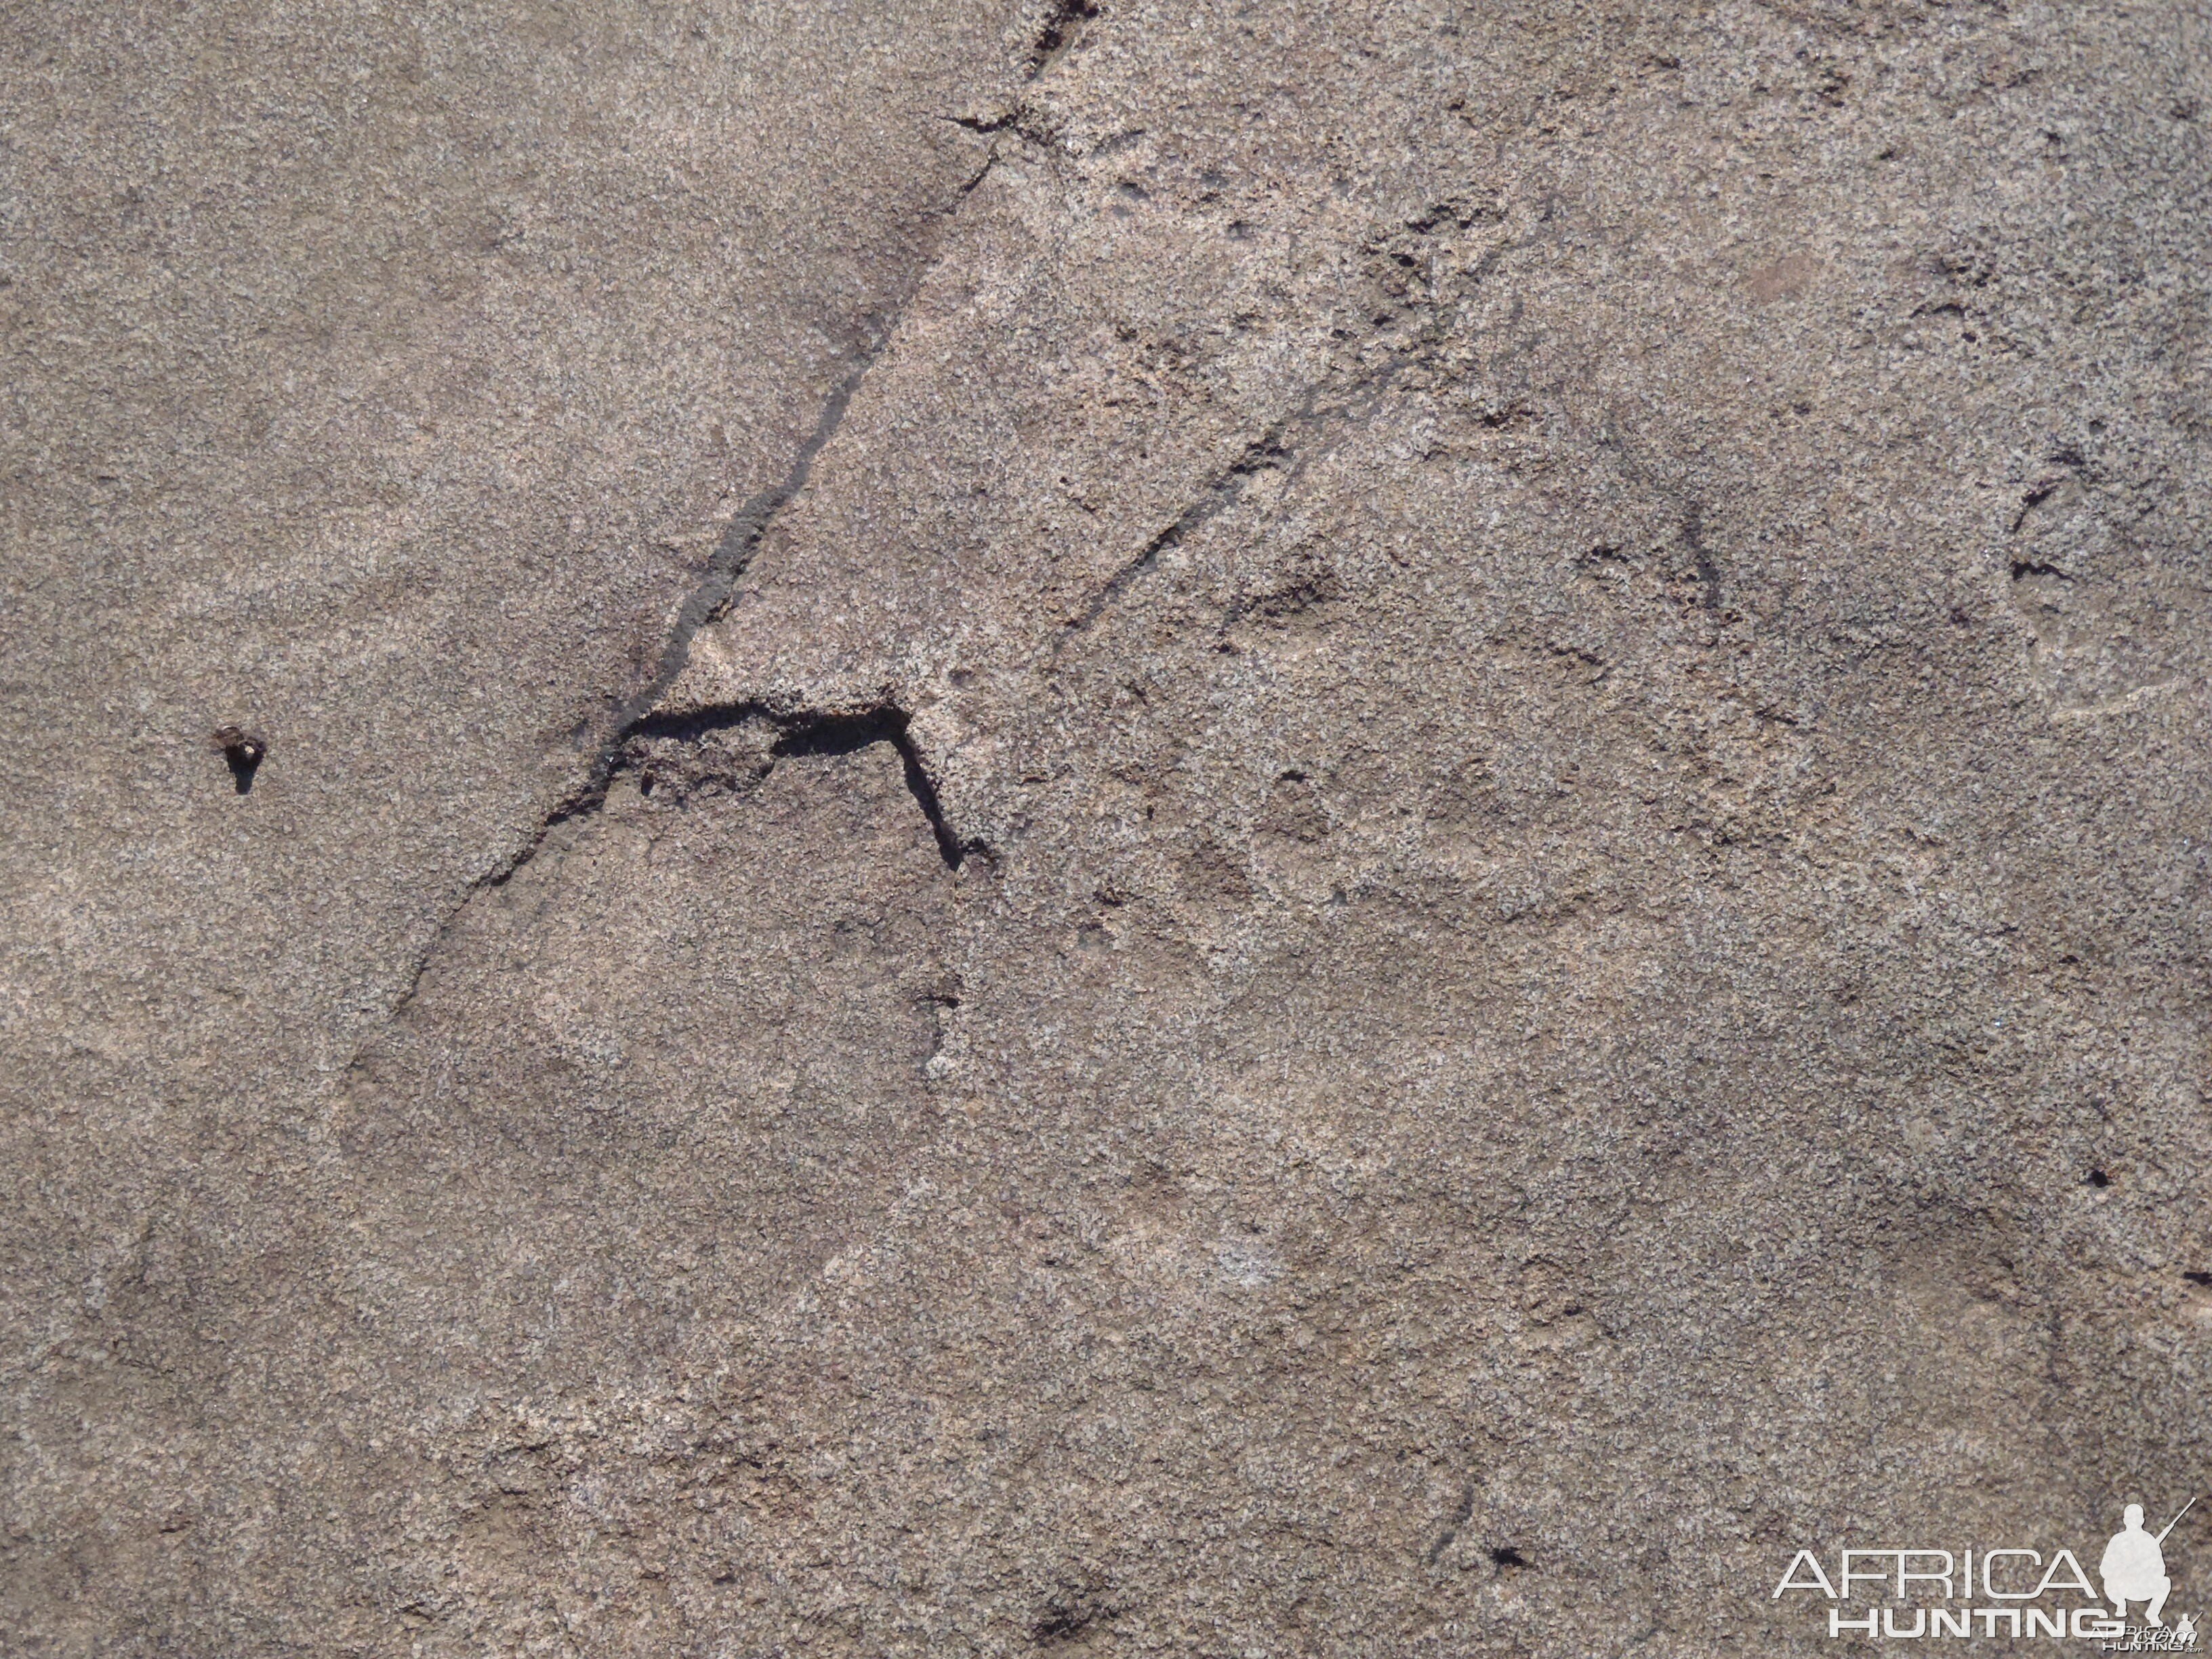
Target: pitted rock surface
[(1098, 828)]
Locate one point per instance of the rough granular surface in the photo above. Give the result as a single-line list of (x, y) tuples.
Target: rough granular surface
[(1203, 830)]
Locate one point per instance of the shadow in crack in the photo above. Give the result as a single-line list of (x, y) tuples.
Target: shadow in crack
[(816, 733)]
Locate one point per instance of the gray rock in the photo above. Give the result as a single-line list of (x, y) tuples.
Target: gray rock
[(1195, 830)]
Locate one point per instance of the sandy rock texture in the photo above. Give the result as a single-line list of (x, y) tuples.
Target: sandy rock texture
[(1204, 829)]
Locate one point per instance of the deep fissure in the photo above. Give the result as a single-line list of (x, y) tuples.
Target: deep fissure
[(809, 732)]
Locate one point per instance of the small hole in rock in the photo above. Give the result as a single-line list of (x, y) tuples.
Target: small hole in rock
[(1505, 1555), (2099, 1178), (241, 750)]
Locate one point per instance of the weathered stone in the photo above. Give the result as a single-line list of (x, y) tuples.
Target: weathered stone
[(1208, 829)]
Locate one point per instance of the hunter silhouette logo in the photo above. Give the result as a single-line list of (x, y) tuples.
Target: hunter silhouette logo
[(2134, 1570), (2019, 1594), (2133, 1567)]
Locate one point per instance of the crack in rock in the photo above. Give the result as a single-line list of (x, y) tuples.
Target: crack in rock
[(710, 596), (732, 553), (642, 750), (796, 733), (742, 540), (1272, 451), (1359, 389), (1269, 451), (1058, 33)]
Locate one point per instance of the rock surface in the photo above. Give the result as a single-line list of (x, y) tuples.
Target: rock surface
[(1096, 829)]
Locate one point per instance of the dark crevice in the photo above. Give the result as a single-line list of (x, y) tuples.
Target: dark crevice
[(802, 732), (1058, 32), (811, 733), (1505, 1555), (2029, 502), (1059, 1627), (842, 734), (732, 553), (1639, 465), (741, 540), (968, 186)]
